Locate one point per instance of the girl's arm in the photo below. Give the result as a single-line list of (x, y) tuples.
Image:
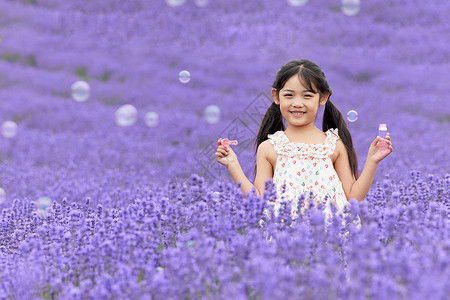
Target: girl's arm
[(228, 158), (353, 188), (239, 176), (263, 171)]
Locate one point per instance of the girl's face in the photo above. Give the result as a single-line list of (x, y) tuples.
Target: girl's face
[(298, 105)]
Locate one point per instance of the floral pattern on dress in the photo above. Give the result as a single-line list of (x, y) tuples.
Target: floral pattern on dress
[(304, 169)]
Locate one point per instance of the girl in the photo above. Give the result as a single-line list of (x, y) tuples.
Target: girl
[(303, 159)]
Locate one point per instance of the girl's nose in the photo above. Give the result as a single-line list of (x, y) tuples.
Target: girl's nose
[(298, 101), (298, 104)]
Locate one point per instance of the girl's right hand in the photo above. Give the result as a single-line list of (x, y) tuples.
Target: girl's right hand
[(225, 155)]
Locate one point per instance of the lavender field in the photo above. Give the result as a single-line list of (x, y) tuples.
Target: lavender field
[(111, 190)]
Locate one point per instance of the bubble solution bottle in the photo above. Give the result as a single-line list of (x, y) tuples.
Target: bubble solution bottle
[(382, 132)]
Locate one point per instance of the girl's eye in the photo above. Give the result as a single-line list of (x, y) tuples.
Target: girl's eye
[(287, 95)]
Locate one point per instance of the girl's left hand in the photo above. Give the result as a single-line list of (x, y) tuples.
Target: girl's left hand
[(374, 151)]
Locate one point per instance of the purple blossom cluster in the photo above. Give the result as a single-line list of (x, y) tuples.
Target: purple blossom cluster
[(184, 242), (94, 210)]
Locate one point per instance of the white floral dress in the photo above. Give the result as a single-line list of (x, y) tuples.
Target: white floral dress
[(304, 169)]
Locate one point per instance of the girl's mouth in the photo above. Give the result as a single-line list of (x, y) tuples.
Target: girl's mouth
[(297, 114)]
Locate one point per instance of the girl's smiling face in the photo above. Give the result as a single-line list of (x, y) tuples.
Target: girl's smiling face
[(298, 104)]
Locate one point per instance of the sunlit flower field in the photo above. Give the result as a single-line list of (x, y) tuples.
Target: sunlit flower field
[(110, 114)]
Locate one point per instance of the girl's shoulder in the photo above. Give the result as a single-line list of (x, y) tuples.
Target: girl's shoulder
[(269, 151)]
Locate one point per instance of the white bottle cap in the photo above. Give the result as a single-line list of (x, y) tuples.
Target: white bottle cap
[(382, 127)]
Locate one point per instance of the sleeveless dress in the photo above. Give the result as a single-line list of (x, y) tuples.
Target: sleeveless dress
[(304, 169)]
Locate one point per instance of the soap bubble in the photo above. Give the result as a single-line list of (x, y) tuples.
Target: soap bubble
[(42, 206), (184, 76), (201, 3), (190, 243), (126, 115), (175, 2), (2, 195), (212, 114), (216, 196), (297, 2), (80, 91), (9, 129), (352, 116), (151, 119), (350, 7)]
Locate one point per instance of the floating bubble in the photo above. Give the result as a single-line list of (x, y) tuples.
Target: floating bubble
[(42, 206), (350, 7), (126, 115), (297, 2), (216, 196), (2, 195), (174, 3), (352, 116), (212, 114), (151, 119), (190, 243), (184, 76), (201, 3), (9, 129), (80, 91)]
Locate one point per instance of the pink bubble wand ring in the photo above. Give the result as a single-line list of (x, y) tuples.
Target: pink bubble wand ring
[(227, 142)]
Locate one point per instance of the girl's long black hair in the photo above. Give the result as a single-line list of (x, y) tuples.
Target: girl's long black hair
[(311, 74)]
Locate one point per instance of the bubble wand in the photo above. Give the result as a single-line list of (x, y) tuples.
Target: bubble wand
[(227, 142)]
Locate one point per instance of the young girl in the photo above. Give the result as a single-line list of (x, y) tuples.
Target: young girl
[(303, 158)]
